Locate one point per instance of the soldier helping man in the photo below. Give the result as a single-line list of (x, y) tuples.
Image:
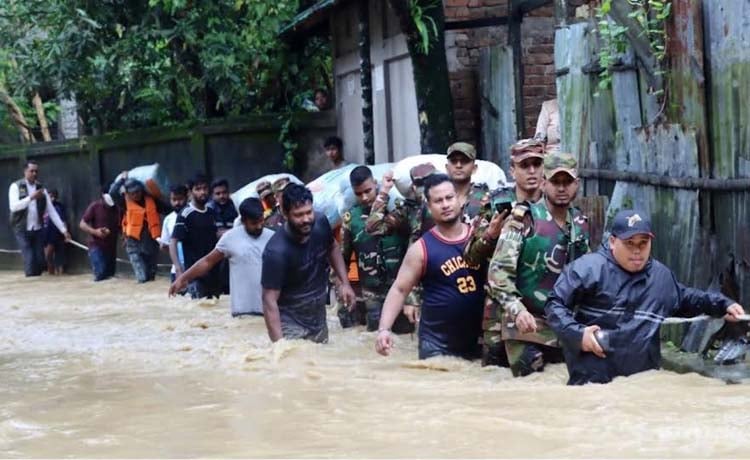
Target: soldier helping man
[(536, 242)]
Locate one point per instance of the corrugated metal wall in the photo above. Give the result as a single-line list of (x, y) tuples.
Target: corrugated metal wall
[(700, 233)]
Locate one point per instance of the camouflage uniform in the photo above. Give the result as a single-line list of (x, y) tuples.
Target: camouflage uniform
[(263, 189), (378, 260), (276, 218), (480, 249), (531, 252)]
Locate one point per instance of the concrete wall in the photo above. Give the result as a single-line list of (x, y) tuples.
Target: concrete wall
[(240, 151)]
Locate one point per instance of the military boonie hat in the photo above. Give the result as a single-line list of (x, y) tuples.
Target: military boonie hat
[(560, 162), (420, 172), (629, 223), (527, 148), (463, 147), (263, 189), (280, 184)]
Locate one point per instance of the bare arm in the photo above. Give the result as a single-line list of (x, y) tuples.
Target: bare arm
[(198, 269), (174, 256), (89, 229), (408, 276), (336, 260), (340, 268), (271, 313)]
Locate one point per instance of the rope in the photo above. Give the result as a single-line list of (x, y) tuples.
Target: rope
[(82, 247)]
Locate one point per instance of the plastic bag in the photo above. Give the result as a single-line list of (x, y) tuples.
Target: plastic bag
[(487, 172), (333, 194), (153, 178), (327, 193)]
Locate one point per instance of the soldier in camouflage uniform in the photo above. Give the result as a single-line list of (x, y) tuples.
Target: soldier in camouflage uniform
[(276, 218), (263, 189), (378, 256), (536, 242), (409, 216), (526, 157)]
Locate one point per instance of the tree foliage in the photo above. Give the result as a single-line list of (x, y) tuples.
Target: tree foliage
[(139, 63)]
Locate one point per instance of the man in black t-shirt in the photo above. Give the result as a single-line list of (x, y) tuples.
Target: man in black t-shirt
[(224, 213), (295, 271), (222, 206), (196, 230)]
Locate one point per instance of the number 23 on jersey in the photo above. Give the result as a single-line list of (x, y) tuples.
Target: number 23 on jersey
[(466, 284)]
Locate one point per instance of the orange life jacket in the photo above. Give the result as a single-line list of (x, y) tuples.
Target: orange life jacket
[(135, 214), (353, 274)]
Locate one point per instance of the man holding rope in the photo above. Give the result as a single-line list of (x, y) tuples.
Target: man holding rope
[(28, 200)]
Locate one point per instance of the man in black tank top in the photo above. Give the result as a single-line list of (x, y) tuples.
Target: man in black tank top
[(452, 298)]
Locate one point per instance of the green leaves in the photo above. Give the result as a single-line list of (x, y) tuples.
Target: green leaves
[(425, 25), (138, 63), (651, 15)]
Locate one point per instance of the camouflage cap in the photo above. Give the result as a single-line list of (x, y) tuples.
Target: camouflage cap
[(280, 184), (465, 148), (420, 172), (560, 162), (526, 148), (263, 189)]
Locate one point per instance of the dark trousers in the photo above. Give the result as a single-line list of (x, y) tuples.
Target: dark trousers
[(103, 263), (142, 256), (31, 244)]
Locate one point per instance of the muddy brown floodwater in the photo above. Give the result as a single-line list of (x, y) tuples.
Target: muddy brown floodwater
[(115, 369)]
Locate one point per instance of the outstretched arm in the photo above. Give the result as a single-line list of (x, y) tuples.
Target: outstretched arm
[(198, 269), (408, 276)]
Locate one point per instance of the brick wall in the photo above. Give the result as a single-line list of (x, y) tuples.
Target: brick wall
[(463, 49)]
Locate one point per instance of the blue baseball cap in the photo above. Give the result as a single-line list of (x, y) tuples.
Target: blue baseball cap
[(629, 223)]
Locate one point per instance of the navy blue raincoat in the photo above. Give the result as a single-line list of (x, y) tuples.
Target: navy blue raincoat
[(629, 307)]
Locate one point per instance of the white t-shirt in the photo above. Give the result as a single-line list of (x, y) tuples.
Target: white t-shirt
[(166, 234), (245, 255)]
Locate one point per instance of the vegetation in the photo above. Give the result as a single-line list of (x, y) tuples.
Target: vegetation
[(143, 63), (651, 18)]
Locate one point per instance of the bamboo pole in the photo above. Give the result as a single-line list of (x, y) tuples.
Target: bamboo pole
[(18, 119), (691, 183), (39, 107)]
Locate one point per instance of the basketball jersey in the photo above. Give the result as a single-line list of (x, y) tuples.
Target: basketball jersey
[(452, 298)]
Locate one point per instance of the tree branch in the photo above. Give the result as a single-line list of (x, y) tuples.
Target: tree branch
[(620, 13)]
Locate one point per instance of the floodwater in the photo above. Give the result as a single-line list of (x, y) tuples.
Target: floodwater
[(115, 369)]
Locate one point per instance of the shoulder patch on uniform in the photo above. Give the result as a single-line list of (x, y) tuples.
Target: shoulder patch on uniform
[(347, 217)]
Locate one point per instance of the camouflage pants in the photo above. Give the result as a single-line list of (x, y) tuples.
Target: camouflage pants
[(526, 358), (504, 345), (493, 349), (356, 317), (374, 305), (370, 308)]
